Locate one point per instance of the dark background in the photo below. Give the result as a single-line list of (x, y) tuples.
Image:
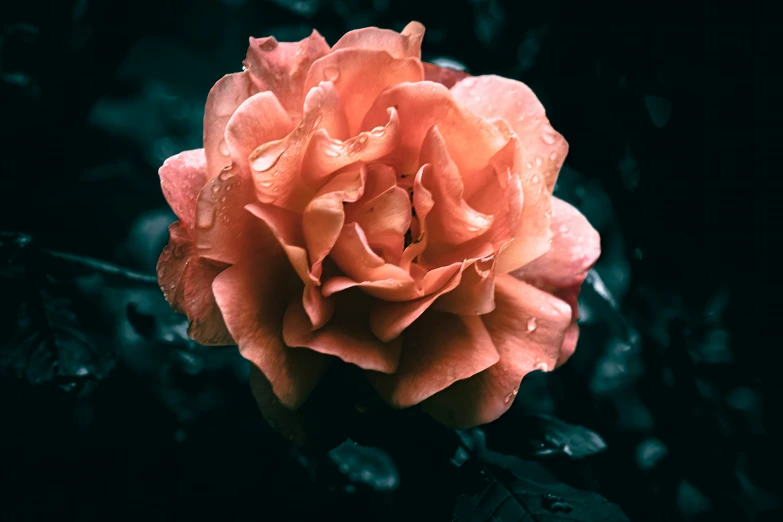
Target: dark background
[(108, 412)]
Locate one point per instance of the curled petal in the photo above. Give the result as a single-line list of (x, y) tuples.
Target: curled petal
[(181, 177), (324, 216), (389, 319), (441, 349), (319, 309), (357, 260), (276, 166), (345, 336), (226, 95), (326, 155), (399, 45), (347, 69), (475, 294), (544, 149), (172, 263), (286, 227), (252, 296), (258, 120), (443, 75), (528, 327), (281, 67), (471, 141)]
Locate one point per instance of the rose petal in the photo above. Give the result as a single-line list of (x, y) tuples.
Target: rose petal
[(252, 296), (471, 141), (258, 120), (181, 177), (319, 308), (281, 67), (326, 155), (528, 328), (224, 231), (324, 216), (475, 294), (206, 322), (389, 319), (443, 75), (399, 45), (286, 226), (576, 246), (347, 69), (346, 336), (440, 349), (226, 95), (172, 263), (490, 96), (277, 165)]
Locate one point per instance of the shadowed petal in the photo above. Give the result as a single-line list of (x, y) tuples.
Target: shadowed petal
[(181, 178), (346, 336), (440, 350), (252, 296), (528, 327), (475, 294), (318, 308)]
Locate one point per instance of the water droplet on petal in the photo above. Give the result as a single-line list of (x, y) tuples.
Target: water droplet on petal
[(511, 395), (266, 184), (539, 161), (469, 82), (226, 174), (535, 178), (548, 135), (544, 367), (266, 156), (529, 165), (205, 214), (531, 324), (331, 73), (215, 188), (553, 155)]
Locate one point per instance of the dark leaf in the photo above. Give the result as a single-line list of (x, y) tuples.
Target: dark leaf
[(365, 466)]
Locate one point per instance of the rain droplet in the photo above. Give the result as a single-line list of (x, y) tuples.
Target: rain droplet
[(267, 155), (469, 82), (539, 161), (266, 184), (331, 73), (223, 148), (553, 155), (223, 199), (205, 214), (511, 395), (362, 138), (529, 165), (534, 179), (215, 188), (531, 324), (548, 136), (226, 174), (544, 367)]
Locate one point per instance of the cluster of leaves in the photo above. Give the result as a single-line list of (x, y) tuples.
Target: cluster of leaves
[(108, 404)]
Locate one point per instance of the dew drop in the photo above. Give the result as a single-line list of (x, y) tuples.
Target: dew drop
[(548, 136), (266, 156), (553, 156), (223, 199), (529, 165), (362, 138), (544, 367), (205, 214), (331, 73), (223, 148), (511, 395), (539, 161), (531, 324), (266, 184), (215, 188), (469, 82), (229, 187), (226, 174), (534, 179)]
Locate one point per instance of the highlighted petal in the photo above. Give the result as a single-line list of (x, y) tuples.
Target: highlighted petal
[(346, 336), (544, 149), (286, 226), (281, 67), (440, 350), (181, 178), (528, 327), (223, 99), (252, 296), (475, 294), (319, 308), (258, 120), (356, 259), (399, 45), (347, 69)]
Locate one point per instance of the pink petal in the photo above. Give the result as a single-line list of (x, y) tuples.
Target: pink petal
[(471, 141), (389, 319), (348, 70), (324, 216), (318, 308), (346, 336), (544, 149), (576, 246), (440, 350), (252, 296), (528, 328), (223, 99), (181, 178), (399, 45), (281, 67), (443, 75), (475, 294), (286, 227), (258, 120), (172, 263), (277, 165), (206, 322), (326, 155)]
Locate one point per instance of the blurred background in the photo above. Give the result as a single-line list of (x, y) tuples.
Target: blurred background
[(107, 410)]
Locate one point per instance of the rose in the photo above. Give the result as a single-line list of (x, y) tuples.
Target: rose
[(357, 204)]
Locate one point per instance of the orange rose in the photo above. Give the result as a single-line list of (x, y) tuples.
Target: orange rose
[(355, 203)]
